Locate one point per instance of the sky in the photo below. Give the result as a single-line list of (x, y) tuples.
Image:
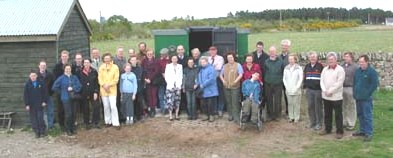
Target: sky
[(149, 10)]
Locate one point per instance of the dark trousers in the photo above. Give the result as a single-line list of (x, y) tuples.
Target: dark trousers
[(69, 116), (151, 96), (60, 111), (78, 109), (273, 97), (37, 119), (118, 105), (210, 104), (95, 104), (329, 107), (286, 100), (139, 105)]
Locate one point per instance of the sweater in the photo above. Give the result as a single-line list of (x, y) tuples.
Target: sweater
[(332, 80), (365, 83), (293, 78), (273, 71), (349, 74), (312, 76), (128, 83)]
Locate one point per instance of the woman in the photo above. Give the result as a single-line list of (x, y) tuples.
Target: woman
[(189, 86), (174, 78), (108, 77), (65, 85), (207, 81), (292, 79), (151, 70), (249, 68)]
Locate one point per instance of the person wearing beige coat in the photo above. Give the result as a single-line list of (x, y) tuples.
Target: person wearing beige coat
[(292, 79)]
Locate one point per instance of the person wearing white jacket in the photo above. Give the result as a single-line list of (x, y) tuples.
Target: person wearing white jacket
[(293, 78), (174, 77)]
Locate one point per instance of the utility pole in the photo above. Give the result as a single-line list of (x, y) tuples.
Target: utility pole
[(368, 19), (280, 19), (328, 13)]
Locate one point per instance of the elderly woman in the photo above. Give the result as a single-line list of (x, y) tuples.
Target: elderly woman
[(151, 70), (249, 68), (65, 85), (207, 82), (292, 79), (174, 78), (108, 77)]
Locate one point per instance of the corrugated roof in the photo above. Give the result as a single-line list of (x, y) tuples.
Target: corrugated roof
[(33, 17), (170, 32)]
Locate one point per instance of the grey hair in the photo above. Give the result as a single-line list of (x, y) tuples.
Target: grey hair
[(312, 53), (195, 50), (286, 42), (331, 54), (204, 58), (164, 51)]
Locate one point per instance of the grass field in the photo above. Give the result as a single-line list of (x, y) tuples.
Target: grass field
[(381, 146), (361, 39)]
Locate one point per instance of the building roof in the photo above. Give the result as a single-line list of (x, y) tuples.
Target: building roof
[(36, 17)]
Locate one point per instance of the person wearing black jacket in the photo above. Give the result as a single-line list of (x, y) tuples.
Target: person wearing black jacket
[(259, 57), (48, 79), (139, 101), (311, 82), (88, 77), (76, 68), (58, 71)]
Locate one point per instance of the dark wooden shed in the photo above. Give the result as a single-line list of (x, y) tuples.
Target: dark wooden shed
[(30, 31)]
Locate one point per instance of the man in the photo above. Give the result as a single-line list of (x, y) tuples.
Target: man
[(108, 77), (58, 71), (365, 83), (120, 61), (196, 55), (96, 59), (332, 79), (48, 79), (285, 45), (273, 72), (163, 61), (231, 75), (88, 78), (217, 61), (349, 106), (259, 57), (139, 101), (180, 55), (77, 66), (131, 52), (142, 49), (312, 79)]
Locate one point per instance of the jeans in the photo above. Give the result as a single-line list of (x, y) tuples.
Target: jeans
[(335, 106), (68, 107), (232, 97), (110, 110), (273, 96), (191, 105), (364, 110), (315, 107), (127, 105), (50, 112), (161, 98)]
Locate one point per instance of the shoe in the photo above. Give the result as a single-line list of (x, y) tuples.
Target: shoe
[(73, 132), (211, 119), (339, 136), (324, 132), (220, 114), (230, 118), (44, 134), (107, 125), (206, 119), (69, 133), (118, 127), (37, 135), (97, 126), (317, 128), (87, 127), (368, 138), (358, 134), (189, 118), (177, 118), (349, 128)]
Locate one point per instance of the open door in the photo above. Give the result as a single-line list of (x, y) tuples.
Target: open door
[(224, 39)]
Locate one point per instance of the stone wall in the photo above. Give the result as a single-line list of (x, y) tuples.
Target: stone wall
[(381, 61)]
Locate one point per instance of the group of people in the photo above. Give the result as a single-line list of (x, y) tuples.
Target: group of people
[(131, 90)]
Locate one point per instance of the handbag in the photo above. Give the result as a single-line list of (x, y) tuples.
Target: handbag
[(72, 94), (158, 80)]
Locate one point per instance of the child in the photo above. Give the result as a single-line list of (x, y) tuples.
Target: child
[(128, 88), (251, 91), (189, 86), (35, 97)]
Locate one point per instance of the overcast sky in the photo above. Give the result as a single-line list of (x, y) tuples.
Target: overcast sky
[(148, 10)]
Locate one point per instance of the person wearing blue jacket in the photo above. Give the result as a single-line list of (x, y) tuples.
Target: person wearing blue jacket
[(251, 90), (64, 85), (128, 89), (365, 82), (35, 97), (207, 81)]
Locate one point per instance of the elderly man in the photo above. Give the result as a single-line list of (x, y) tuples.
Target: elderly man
[(311, 82), (217, 62), (95, 58), (163, 61), (349, 106), (120, 61), (196, 55), (285, 45), (273, 72), (332, 79), (77, 67), (231, 75), (364, 84)]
